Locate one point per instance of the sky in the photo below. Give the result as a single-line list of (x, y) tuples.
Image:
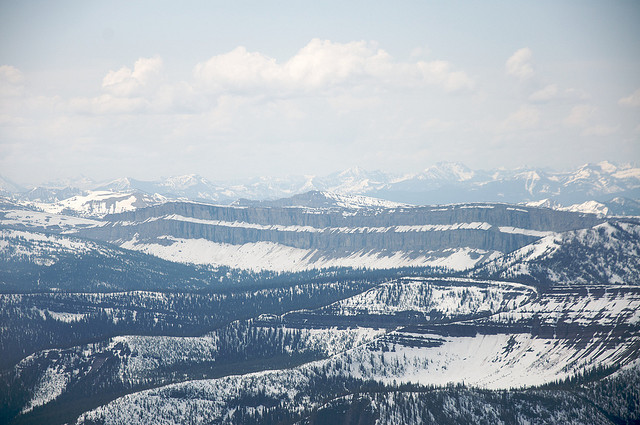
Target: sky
[(239, 89)]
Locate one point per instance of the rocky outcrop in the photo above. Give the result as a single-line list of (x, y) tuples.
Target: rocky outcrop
[(489, 227)]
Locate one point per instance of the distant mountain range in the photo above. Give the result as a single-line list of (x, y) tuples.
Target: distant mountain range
[(615, 189)]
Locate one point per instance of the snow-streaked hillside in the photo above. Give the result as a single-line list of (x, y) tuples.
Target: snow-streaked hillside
[(435, 298), (100, 203), (142, 356), (587, 207), (29, 219), (606, 253), (325, 200), (278, 257), (44, 249), (499, 361), (494, 335), (486, 359), (359, 201)]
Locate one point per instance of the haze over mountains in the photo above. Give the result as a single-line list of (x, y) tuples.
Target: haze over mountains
[(440, 184)]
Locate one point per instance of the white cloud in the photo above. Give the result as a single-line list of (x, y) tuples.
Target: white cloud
[(435, 124), (632, 100), (553, 92), (545, 94), (125, 82), (580, 116), (11, 74), (599, 130), (526, 117), (141, 90), (418, 52), (585, 117), (346, 100), (519, 64), (440, 73), (237, 70), (346, 103), (11, 81), (350, 72), (107, 104), (323, 65)]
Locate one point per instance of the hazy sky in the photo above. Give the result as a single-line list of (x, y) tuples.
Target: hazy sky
[(239, 89)]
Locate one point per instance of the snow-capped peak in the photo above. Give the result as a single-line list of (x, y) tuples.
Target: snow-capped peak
[(607, 167), (359, 201), (449, 170), (101, 202), (121, 184), (353, 172), (184, 182), (7, 185)]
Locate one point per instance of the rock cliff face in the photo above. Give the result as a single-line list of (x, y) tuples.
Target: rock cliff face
[(542, 219), (406, 233)]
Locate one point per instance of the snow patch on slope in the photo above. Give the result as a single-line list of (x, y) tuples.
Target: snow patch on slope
[(360, 201), (50, 386), (274, 256), (606, 253), (40, 248), (311, 229), (435, 296), (100, 203), (499, 361), (44, 220)]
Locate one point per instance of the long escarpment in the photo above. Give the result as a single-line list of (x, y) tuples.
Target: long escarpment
[(407, 234)]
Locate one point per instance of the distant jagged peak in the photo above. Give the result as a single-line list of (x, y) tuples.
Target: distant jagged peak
[(585, 172), (45, 194), (603, 168), (587, 207), (607, 167), (355, 180), (543, 203), (316, 199), (444, 182), (81, 182), (604, 176), (356, 171), (449, 170), (6, 185), (360, 201), (185, 181), (309, 184), (120, 184), (530, 174)]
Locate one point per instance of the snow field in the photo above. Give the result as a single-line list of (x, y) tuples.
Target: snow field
[(434, 297), (278, 257)]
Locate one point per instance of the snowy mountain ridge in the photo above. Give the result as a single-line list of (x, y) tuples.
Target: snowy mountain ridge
[(607, 252), (445, 182)]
